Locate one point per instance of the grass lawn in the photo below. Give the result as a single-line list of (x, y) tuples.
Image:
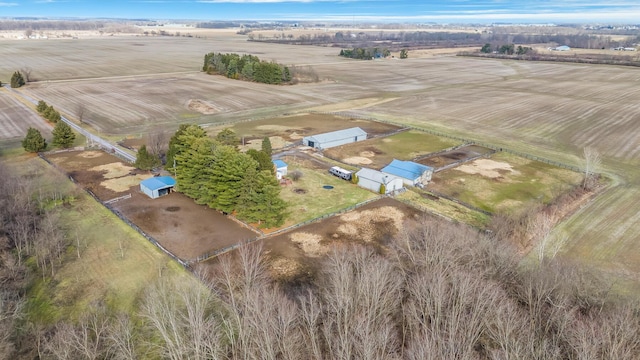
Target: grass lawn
[(447, 208), (512, 182), (106, 261), (308, 200), (405, 145)]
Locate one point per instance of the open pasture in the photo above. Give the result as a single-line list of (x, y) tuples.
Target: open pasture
[(378, 152), (104, 174), (306, 197), (504, 182), (16, 118)]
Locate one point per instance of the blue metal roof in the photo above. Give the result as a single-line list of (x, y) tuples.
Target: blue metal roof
[(279, 164), (406, 169), (160, 182)]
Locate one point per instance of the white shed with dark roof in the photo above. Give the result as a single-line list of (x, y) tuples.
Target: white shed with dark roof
[(335, 138)]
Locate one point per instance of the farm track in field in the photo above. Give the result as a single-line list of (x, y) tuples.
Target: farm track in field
[(16, 118)]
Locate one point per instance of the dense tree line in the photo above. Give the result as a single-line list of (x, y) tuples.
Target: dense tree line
[(365, 53), (506, 49), (214, 173), (246, 67), (441, 291), (48, 112), (51, 25)]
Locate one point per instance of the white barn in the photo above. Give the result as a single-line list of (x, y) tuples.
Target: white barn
[(334, 138), (374, 179)]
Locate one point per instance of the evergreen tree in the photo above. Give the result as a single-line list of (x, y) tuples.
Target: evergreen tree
[(145, 160), (174, 145), (17, 80), (261, 201), (228, 137), (34, 142), (266, 146), (264, 160), (193, 164), (42, 107), (63, 136), (227, 172), (404, 54)]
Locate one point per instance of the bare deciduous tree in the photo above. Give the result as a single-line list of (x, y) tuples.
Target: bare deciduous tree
[(592, 162), (158, 143), (81, 111), (27, 71)]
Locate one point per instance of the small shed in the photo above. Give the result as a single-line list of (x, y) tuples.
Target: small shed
[(412, 173), (374, 179), (281, 168), (157, 186), (335, 138)]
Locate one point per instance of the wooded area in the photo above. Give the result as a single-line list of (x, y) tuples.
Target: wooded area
[(246, 67)]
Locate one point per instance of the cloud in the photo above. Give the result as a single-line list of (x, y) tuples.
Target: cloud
[(8, 4)]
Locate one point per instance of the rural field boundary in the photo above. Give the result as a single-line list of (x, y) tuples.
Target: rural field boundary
[(458, 138)]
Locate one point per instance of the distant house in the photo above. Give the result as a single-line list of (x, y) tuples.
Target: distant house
[(157, 186), (335, 138), (374, 179), (412, 173), (281, 168), (561, 48)]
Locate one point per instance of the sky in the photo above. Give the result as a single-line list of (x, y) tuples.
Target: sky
[(416, 11)]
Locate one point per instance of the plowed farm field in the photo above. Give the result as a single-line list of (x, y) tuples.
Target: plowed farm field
[(16, 118)]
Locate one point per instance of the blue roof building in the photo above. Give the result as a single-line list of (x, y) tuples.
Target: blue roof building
[(157, 186), (411, 173), (281, 168)]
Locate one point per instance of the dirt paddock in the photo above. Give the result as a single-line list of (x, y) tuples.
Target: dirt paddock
[(453, 156), (296, 255), (183, 227), (177, 222)]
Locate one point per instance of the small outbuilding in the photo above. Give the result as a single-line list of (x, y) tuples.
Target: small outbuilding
[(335, 138), (374, 180), (156, 187), (281, 168), (412, 173)]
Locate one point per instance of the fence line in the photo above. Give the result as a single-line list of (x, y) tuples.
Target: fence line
[(123, 197), (119, 215), (441, 134), (219, 252)]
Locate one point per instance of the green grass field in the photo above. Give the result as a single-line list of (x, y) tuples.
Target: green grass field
[(444, 207), (313, 200), (405, 145), (506, 189), (107, 261)]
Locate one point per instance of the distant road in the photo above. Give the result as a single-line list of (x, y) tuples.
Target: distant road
[(108, 146)]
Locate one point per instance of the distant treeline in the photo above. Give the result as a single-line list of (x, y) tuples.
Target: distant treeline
[(582, 59), (365, 53), (442, 39), (246, 67), (53, 25)]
